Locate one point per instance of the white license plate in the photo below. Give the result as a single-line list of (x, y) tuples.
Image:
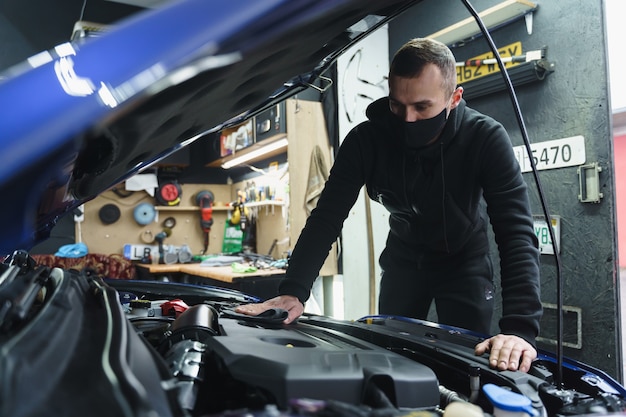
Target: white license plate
[(552, 154), (543, 234)]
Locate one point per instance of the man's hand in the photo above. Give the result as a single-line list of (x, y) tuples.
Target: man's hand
[(287, 302), (507, 352)]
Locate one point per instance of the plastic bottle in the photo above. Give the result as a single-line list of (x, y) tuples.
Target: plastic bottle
[(462, 409), (507, 403)]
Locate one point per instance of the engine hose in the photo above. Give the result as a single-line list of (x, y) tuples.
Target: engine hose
[(447, 396), (377, 398)]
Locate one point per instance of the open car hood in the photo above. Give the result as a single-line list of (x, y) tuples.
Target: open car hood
[(86, 115)]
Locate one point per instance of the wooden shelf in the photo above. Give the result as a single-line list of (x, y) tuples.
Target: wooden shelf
[(264, 203), (188, 208), (256, 147), (499, 14)]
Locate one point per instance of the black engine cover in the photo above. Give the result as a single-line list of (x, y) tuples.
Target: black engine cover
[(294, 361)]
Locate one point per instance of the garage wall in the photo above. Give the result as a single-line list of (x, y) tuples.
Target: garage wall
[(363, 79), (571, 101)]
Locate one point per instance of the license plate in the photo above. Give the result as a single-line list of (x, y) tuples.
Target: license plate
[(468, 73), (543, 234), (558, 153)]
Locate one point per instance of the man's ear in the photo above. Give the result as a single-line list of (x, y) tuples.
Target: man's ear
[(456, 97)]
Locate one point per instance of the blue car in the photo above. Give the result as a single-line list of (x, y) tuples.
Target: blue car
[(91, 113)]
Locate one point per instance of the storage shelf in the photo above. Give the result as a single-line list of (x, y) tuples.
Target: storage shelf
[(188, 208), (497, 15), (255, 148), (264, 203)]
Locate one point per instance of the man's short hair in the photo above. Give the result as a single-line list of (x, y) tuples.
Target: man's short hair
[(410, 59)]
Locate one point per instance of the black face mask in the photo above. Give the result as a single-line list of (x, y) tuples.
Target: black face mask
[(416, 135)]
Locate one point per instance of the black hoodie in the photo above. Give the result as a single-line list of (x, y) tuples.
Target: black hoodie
[(435, 197)]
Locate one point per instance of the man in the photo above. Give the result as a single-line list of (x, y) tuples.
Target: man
[(430, 160)]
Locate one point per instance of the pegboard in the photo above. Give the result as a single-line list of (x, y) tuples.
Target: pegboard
[(111, 238)]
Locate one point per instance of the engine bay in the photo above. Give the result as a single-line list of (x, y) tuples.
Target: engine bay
[(255, 363), (321, 366), (146, 348)]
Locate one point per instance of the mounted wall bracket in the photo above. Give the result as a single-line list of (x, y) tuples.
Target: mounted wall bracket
[(589, 182)]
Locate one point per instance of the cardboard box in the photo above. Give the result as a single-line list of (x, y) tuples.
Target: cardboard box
[(236, 138)]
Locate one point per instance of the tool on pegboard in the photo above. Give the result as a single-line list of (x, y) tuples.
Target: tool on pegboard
[(204, 199), (160, 237), (169, 193)]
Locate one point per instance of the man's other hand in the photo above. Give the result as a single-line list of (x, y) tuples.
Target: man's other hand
[(507, 352)]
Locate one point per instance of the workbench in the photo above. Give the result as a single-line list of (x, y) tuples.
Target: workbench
[(262, 283)]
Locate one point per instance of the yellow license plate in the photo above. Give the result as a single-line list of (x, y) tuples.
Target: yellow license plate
[(468, 73)]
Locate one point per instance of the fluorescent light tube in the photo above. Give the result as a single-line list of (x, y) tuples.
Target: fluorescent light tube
[(493, 16), (256, 153)]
